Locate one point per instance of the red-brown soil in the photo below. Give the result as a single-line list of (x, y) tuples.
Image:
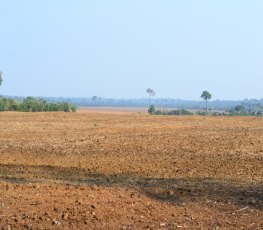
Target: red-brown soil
[(107, 170)]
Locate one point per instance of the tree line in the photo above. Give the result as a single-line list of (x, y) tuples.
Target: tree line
[(31, 104)]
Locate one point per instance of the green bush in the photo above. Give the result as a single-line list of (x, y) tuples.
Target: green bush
[(202, 113), (73, 108), (151, 109), (171, 112), (178, 112), (158, 112)]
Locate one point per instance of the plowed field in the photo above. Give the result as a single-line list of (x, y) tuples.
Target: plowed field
[(127, 170)]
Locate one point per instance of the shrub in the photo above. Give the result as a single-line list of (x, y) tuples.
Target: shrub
[(178, 112), (73, 108), (158, 112), (151, 109), (202, 113)]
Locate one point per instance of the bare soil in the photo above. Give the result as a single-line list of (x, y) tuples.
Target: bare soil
[(114, 170)]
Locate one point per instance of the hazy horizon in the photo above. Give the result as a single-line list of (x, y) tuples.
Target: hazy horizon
[(117, 49), (146, 98)]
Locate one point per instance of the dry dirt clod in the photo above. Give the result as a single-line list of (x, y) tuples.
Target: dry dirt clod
[(55, 222), (65, 216), (78, 202), (28, 227), (24, 216)]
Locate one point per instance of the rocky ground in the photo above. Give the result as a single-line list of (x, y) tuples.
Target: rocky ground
[(128, 170)]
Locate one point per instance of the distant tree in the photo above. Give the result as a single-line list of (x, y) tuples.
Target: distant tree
[(7, 104), (206, 96), (151, 109), (53, 107), (1, 78), (94, 99), (240, 108), (29, 104), (151, 93), (65, 106)]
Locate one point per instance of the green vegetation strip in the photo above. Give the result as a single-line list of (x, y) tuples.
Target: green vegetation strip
[(31, 104)]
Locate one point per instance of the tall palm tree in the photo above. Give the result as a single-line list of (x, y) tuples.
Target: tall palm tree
[(206, 96)]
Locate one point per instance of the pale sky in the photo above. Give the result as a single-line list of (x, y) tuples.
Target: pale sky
[(117, 49)]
